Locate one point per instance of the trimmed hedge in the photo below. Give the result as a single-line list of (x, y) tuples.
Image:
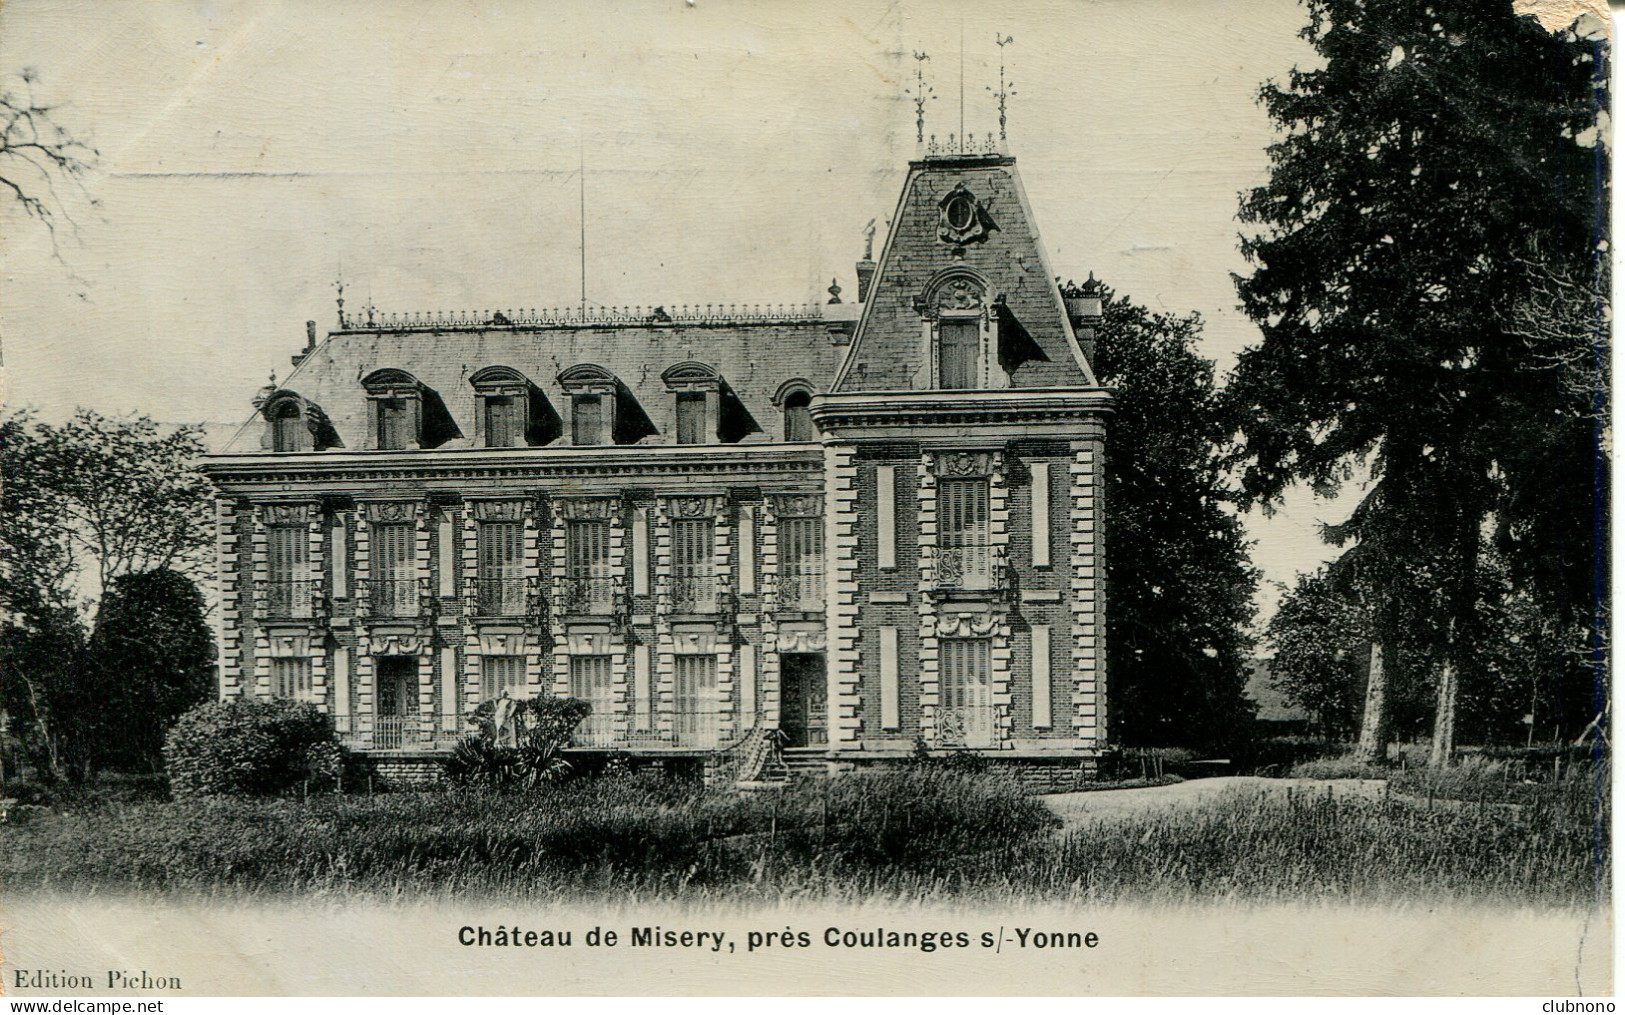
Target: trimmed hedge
[(246, 747)]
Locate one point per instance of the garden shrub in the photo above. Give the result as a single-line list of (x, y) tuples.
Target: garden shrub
[(542, 727), (245, 747)]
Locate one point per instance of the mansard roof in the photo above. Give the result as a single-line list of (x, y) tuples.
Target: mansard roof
[(963, 221), (753, 353)]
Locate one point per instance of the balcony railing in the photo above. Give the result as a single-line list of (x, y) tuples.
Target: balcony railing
[(394, 597), (966, 726), (802, 589), (968, 566), (597, 730), (695, 729), (392, 731), (589, 595), (503, 597), (290, 599), (695, 593)]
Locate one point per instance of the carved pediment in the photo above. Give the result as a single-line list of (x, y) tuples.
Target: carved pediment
[(964, 463), (596, 509), (967, 625), (285, 514), (499, 510), (797, 505), (392, 511), (695, 507)]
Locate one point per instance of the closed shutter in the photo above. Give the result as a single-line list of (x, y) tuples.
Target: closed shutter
[(802, 546), (291, 678), (393, 559), (691, 418), (589, 586), (285, 429), (502, 567), (288, 558), (394, 424), (696, 700), (963, 560), (693, 564), (501, 418), (592, 680), (502, 673), (798, 423), (967, 692), (959, 351), (586, 420)]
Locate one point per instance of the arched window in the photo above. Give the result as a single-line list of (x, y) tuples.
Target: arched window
[(397, 409), (794, 399), (288, 430), (798, 422)]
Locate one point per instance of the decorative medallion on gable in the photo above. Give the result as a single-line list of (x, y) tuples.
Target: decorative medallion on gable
[(962, 217)]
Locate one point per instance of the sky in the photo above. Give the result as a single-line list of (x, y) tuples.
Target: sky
[(438, 157)]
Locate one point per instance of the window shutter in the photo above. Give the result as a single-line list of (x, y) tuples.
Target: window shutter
[(691, 418), (959, 352), (963, 523), (587, 417), (500, 421)]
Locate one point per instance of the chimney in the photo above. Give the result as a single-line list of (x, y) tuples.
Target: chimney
[(1083, 310), (866, 276), (310, 343)]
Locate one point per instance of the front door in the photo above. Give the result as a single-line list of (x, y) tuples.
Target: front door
[(804, 711), (397, 677)]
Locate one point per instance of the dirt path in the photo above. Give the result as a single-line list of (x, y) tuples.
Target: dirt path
[(1078, 808)]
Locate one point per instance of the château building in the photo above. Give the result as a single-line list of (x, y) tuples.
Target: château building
[(865, 526)]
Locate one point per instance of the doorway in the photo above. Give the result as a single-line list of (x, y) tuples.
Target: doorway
[(804, 710), (397, 681)]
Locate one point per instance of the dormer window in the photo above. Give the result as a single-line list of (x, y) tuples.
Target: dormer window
[(395, 399), (794, 399), (594, 395), (288, 428), (294, 424), (962, 329), (696, 390), (509, 409)]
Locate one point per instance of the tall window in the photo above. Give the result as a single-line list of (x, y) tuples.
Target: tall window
[(696, 700), (590, 587), (394, 579), (288, 590), (502, 673), (290, 678), (963, 557), (587, 419), (967, 692), (801, 563), (592, 680), (286, 427), (798, 424), (694, 586), (959, 349), (501, 421), (394, 424), (502, 568), (691, 417)]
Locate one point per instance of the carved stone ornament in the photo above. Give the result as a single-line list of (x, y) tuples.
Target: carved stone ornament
[(289, 644), (285, 514), (959, 294), (964, 463), (392, 511), (962, 217), (397, 645), (798, 505), (588, 644), (502, 644), (812, 639), (499, 510), (967, 625), (696, 507), (595, 510)]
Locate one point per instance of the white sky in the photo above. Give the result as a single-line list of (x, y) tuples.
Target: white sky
[(733, 153)]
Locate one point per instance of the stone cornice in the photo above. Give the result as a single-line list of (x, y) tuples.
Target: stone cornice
[(1027, 408), (792, 462)]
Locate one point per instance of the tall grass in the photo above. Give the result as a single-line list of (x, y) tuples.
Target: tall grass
[(896, 835)]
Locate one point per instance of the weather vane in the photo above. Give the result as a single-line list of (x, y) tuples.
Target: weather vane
[(922, 92), (1004, 92)]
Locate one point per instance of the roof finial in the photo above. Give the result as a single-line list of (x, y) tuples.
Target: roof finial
[(340, 285), (834, 291), (1004, 91), (922, 92), (869, 241)]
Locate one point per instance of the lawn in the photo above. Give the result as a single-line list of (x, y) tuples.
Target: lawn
[(912, 834)]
